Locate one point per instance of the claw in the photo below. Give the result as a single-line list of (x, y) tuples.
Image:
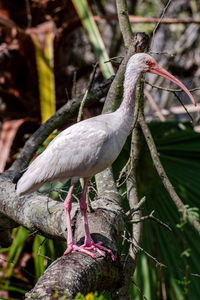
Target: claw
[(88, 247), (79, 249)]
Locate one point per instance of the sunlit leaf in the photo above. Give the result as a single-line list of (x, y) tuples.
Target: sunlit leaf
[(94, 36), (44, 58)]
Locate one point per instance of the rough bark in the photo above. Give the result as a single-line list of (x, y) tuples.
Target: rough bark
[(106, 222), (74, 273), (85, 274)]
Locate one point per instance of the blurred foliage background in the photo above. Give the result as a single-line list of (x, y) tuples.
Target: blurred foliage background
[(47, 53)]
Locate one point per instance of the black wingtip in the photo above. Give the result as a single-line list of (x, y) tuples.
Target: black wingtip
[(17, 177)]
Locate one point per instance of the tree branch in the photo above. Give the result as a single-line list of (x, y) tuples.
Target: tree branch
[(140, 19), (106, 224), (162, 174), (75, 273), (56, 121), (132, 195), (124, 23)]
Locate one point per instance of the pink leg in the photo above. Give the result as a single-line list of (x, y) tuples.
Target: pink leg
[(70, 244), (88, 243), (68, 207)]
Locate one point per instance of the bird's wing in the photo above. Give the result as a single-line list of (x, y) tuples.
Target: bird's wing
[(77, 147), (71, 154)]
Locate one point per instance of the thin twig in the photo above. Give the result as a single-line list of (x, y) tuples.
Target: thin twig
[(113, 58), (14, 264), (159, 21), (151, 217), (162, 174), (179, 99), (157, 262), (175, 93), (124, 172), (135, 244), (154, 105), (39, 254), (86, 93), (130, 264), (34, 233), (168, 89), (139, 19), (10, 24), (135, 208), (139, 289), (74, 85)]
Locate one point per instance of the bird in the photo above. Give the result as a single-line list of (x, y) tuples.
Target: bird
[(87, 148)]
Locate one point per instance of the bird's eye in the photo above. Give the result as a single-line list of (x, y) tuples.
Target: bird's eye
[(147, 62)]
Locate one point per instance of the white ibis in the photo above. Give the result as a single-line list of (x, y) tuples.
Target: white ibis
[(89, 147)]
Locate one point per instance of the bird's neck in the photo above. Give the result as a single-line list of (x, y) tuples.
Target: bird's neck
[(127, 106)]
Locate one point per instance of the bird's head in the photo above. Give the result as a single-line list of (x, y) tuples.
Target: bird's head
[(142, 63)]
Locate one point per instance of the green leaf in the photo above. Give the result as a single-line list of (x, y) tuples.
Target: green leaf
[(44, 60), (39, 261), (15, 249), (179, 250), (94, 36)]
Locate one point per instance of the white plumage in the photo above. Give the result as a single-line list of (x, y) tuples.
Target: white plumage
[(89, 147), (81, 150)]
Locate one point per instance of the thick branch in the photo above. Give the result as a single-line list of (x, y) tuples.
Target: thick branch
[(56, 121), (75, 273), (124, 23), (132, 195), (106, 224)]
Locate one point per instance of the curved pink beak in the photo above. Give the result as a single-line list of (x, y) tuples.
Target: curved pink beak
[(156, 69)]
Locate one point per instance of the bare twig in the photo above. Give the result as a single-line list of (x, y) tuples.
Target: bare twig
[(123, 173), (113, 58), (139, 19), (179, 99), (86, 94), (168, 89), (41, 255), (174, 91), (157, 262), (139, 289), (162, 174), (151, 217), (154, 105), (135, 244), (135, 208), (159, 21)]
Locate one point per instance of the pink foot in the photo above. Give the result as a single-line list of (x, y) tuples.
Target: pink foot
[(87, 248)]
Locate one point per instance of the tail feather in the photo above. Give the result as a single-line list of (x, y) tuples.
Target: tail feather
[(17, 177)]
